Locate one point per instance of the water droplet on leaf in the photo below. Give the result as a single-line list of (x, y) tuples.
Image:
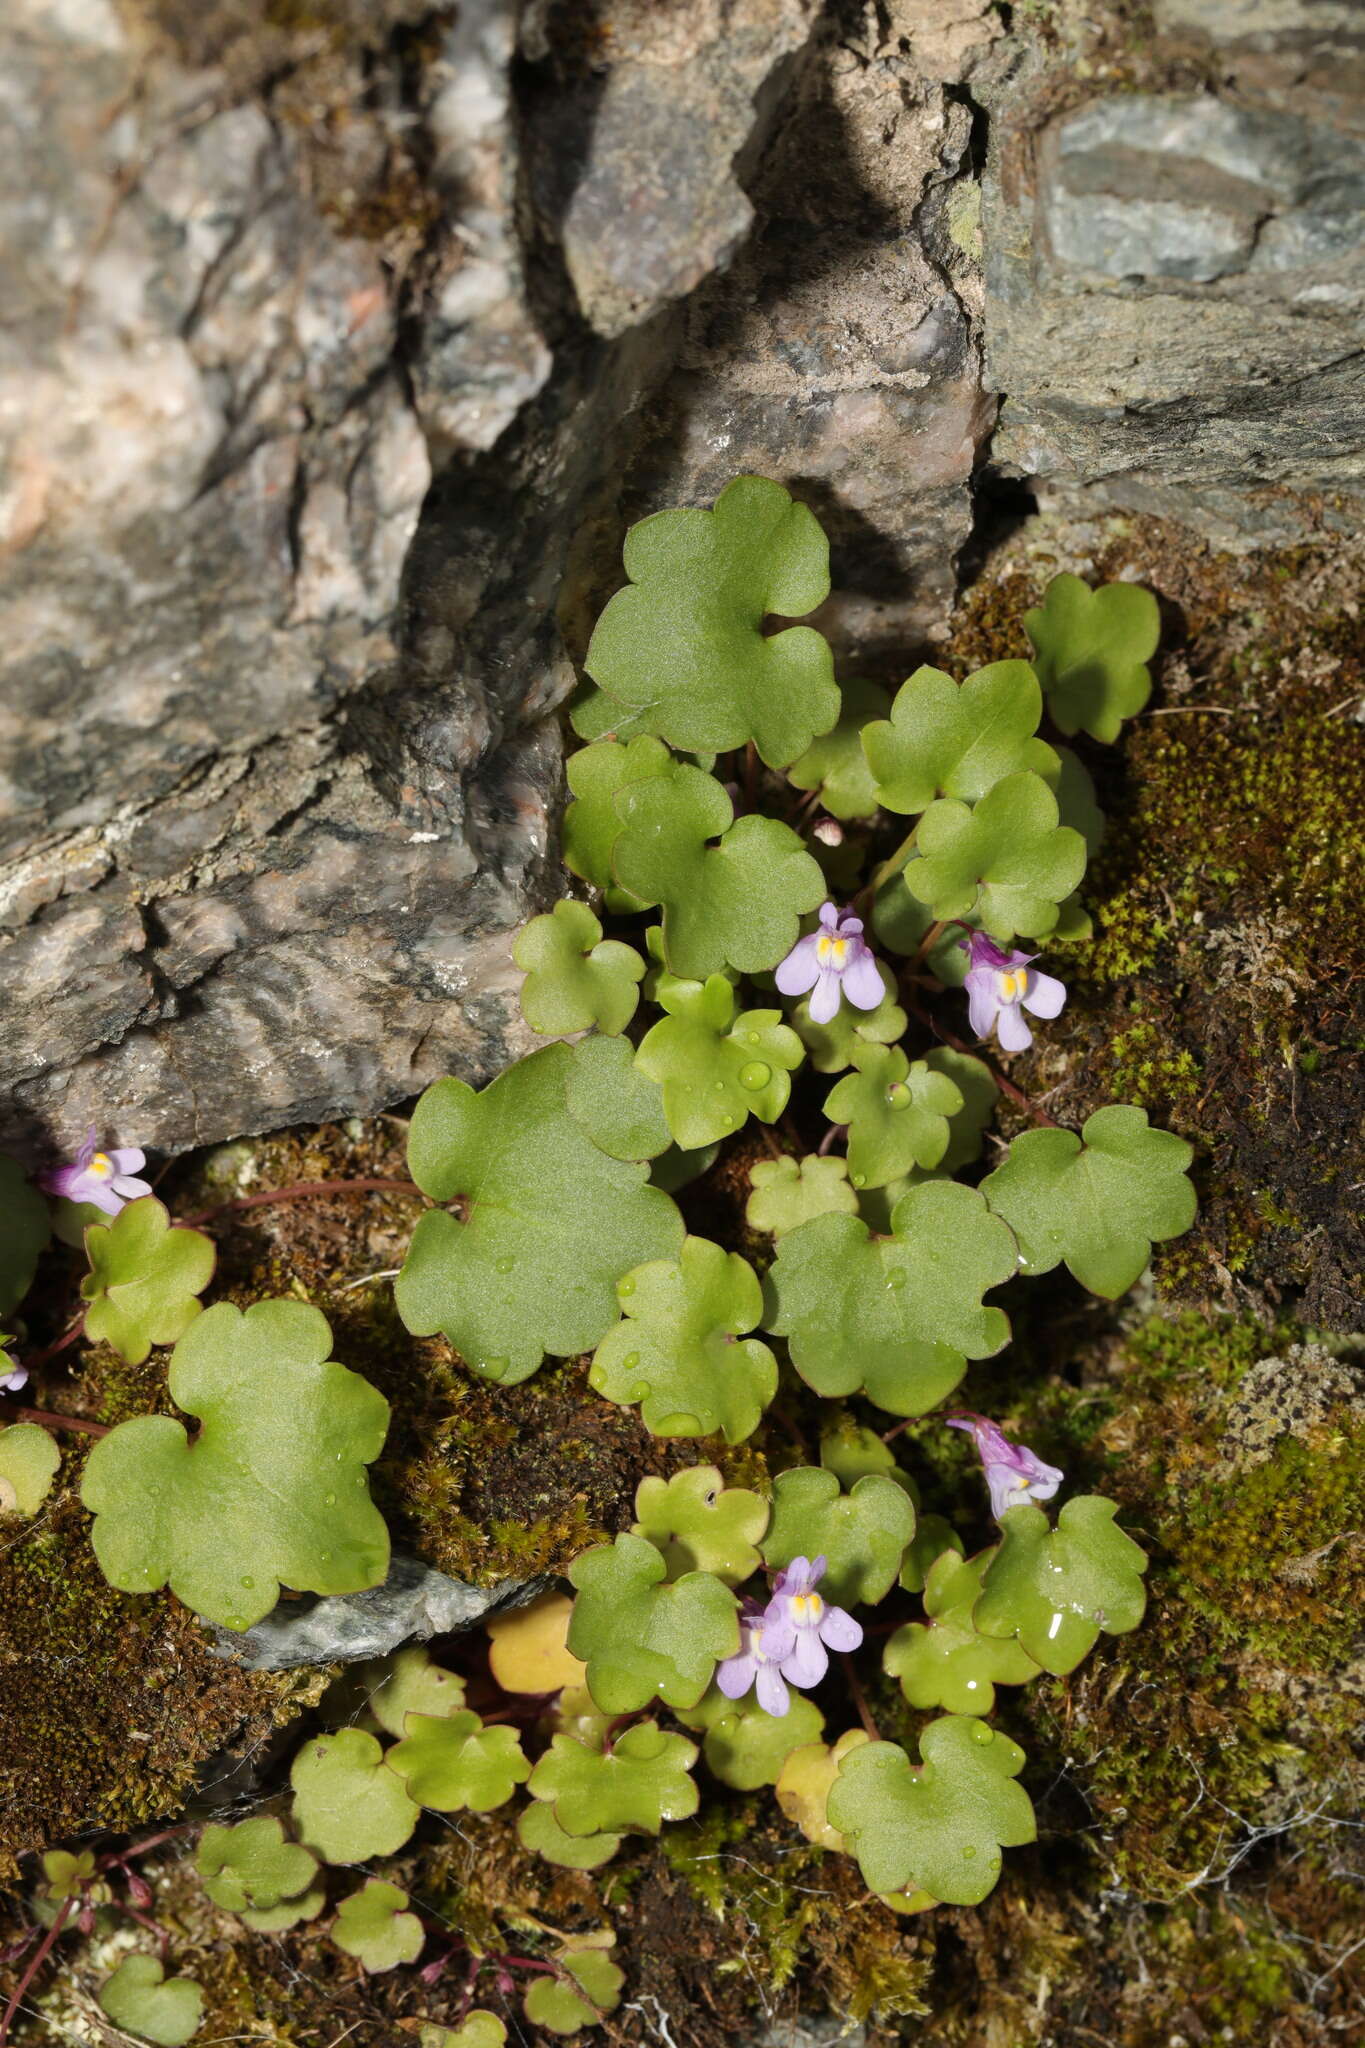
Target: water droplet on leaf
[(756, 1074)]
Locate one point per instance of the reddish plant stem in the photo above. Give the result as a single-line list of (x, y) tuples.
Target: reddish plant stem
[(859, 1696), (50, 1420), (300, 1191), (1002, 1081), (143, 1848), (162, 1936), (67, 1337), (830, 1140), (44, 1950)]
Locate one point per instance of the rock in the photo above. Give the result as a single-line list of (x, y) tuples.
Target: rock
[(644, 191), (414, 1603), (328, 385), (1297, 1395), (839, 351), (813, 2033), (1175, 287)]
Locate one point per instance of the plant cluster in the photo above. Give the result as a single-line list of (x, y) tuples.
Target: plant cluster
[(745, 955)]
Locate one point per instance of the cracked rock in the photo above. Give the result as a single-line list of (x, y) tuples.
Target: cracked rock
[(414, 1604), (1175, 289)]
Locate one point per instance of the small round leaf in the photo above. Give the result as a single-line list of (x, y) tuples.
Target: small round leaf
[(680, 1348)]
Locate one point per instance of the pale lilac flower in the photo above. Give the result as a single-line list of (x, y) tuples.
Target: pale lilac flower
[(834, 961), (763, 1644), (13, 1376), (1014, 1473), (104, 1178), (797, 1605), (1001, 986)]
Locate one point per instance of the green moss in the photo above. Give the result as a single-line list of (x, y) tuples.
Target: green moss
[(792, 1907), (111, 1704)]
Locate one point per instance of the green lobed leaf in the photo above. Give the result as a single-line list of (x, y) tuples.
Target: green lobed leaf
[(252, 1865), (788, 1192), (478, 2029), (1056, 1589), (737, 903), (390, 1688), (640, 1637), (540, 1832), (717, 1069), (595, 716), (698, 1524), (676, 1169), (831, 1046), (941, 1827), (575, 978), (589, 1991), (901, 922), (348, 1805), (24, 1231), (745, 1747), (452, 1762), (67, 1876), (141, 1999), (805, 1782), (592, 822), (898, 1317), (897, 1114), (289, 1913), (643, 1779), (948, 1664), (1007, 861), (1071, 783), (614, 1102), (935, 1537), (372, 1926), (143, 1279), (29, 1459), (680, 1349), (1091, 648), (851, 1453), (272, 1491), (946, 739), (862, 1533), (1098, 1201), (685, 639), (519, 1276), (835, 764)]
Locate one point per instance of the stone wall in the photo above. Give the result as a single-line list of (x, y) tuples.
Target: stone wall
[(341, 352)]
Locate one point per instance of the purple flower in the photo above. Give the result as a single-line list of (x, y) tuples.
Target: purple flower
[(784, 1643), (104, 1178), (1014, 1473), (12, 1375), (832, 962), (763, 1645), (1001, 986), (813, 1623)]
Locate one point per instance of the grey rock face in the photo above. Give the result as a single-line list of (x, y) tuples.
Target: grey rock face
[(414, 1604), (319, 436), (843, 336), (1175, 294)]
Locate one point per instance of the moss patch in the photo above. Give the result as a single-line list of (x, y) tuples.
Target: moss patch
[(1221, 987)]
